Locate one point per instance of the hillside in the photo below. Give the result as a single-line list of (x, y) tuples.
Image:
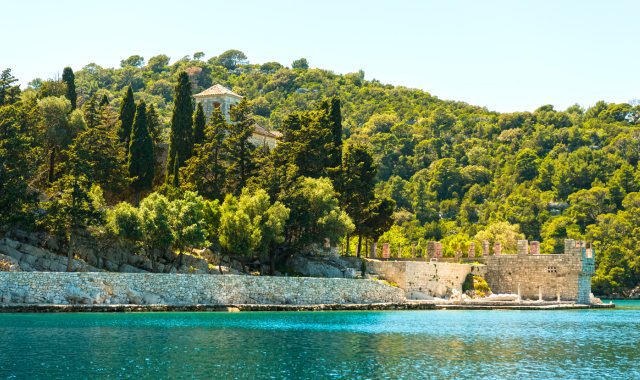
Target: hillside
[(456, 172)]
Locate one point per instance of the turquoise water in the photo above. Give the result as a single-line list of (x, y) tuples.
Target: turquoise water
[(353, 345)]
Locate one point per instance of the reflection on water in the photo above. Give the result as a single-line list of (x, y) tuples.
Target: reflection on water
[(397, 344)]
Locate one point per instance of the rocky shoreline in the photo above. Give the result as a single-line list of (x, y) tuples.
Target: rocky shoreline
[(409, 305)]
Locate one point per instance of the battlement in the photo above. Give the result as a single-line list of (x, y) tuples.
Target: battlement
[(532, 275)]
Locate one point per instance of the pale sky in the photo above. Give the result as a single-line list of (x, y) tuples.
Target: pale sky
[(505, 55)]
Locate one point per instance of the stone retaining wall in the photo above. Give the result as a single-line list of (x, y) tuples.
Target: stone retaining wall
[(187, 289)]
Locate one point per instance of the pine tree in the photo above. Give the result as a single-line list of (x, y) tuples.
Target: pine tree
[(127, 113), (181, 134), (141, 160), (104, 101), (69, 79), (199, 122), (239, 149)]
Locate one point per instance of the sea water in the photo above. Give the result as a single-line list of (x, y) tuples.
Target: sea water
[(495, 344)]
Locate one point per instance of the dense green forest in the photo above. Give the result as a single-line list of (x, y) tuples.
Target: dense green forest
[(359, 161)]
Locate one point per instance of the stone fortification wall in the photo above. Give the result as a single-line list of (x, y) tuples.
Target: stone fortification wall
[(187, 289), (566, 275), (421, 279)]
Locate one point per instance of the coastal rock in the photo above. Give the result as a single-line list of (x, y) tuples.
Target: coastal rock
[(126, 268), (134, 297), (151, 299), (76, 296), (634, 293), (322, 266)]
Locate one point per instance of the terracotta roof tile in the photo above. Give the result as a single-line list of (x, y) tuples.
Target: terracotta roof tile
[(259, 130), (217, 89)]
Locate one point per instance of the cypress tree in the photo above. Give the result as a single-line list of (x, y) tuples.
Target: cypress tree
[(91, 114), (70, 80), (176, 172), (127, 113), (140, 159), (181, 134), (335, 123), (153, 124), (104, 101), (238, 148), (205, 170), (199, 122), (356, 185)]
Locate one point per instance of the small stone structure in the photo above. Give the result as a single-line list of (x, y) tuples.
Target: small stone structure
[(522, 247), (534, 248), (386, 251), (485, 248), (472, 250), (220, 97), (187, 289)]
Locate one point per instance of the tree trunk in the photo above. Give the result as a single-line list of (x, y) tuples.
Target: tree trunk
[(70, 252), (152, 257), (359, 246), (179, 261), (220, 264), (347, 250), (137, 198), (52, 165)]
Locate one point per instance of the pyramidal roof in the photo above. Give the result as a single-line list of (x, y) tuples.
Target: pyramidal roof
[(217, 89)]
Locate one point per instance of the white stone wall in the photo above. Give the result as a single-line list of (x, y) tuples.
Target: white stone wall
[(187, 289), (422, 278)]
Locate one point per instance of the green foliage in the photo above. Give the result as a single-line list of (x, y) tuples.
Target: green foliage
[(124, 221), (504, 233), (181, 135), (187, 221), (252, 225), (8, 91), (231, 59), (98, 155), (127, 114), (16, 156), (205, 171), (141, 159), (300, 64), (238, 148), (69, 79), (526, 165), (134, 60), (315, 213), (199, 122), (57, 128)]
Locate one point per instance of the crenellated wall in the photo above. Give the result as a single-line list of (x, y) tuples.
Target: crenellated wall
[(532, 275)]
